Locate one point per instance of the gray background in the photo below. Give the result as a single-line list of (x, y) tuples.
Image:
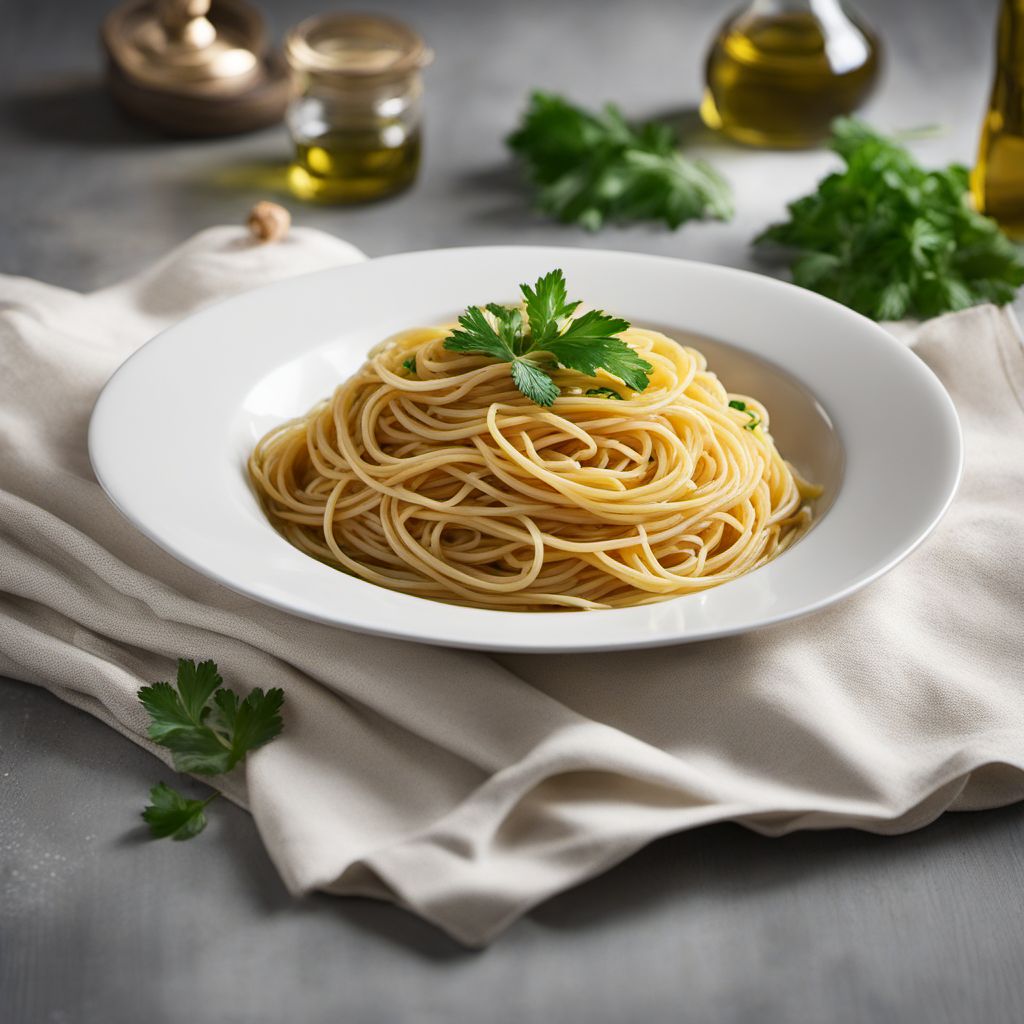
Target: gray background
[(99, 925)]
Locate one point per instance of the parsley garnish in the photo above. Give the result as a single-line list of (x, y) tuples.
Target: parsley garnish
[(890, 239), (550, 337), (169, 814), (208, 731), (755, 420), (410, 363), (604, 393), (589, 168)]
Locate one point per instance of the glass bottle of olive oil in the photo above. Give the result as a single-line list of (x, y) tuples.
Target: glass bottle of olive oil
[(997, 181), (780, 70)]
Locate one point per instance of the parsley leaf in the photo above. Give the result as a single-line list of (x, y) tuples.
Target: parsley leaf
[(410, 363), (550, 338), (590, 168), (546, 303), (588, 344), (534, 383), (890, 239), (603, 393), (169, 814), (208, 730), (510, 325), (248, 724), (200, 750), (476, 334)]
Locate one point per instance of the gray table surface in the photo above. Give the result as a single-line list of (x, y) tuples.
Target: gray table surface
[(99, 925)]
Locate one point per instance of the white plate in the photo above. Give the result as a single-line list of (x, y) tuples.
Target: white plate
[(850, 406)]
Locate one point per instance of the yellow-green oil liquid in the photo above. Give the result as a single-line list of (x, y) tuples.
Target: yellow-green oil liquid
[(353, 166), (997, 180), (778, 80)]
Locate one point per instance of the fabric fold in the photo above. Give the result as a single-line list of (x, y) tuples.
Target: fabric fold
[(467, 787)]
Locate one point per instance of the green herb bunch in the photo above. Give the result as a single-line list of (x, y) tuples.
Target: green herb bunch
[(209, 731), (591, 168), (550, 337), (890, 239)]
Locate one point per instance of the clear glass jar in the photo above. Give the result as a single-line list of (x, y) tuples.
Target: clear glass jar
[(779, 71), (356, 115)]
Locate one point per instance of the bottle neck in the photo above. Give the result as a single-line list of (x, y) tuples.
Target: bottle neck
[(1010, 35)]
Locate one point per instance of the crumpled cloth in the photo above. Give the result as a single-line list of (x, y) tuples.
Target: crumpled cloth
[(468, 787)]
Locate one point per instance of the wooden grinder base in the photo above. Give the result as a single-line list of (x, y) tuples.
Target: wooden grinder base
[(190, 115)]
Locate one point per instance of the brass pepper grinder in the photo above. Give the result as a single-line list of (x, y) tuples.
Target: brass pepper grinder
[(194, 67), (997, 181), (780, 71)]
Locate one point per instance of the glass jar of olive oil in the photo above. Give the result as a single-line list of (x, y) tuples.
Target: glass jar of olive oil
[(356, 116), (779, 71)]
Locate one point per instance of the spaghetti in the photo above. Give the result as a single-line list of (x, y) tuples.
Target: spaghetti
[(428, 472)]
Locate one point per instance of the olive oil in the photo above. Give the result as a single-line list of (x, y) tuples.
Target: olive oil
[(997, 181), (778, 73), (351, 166)]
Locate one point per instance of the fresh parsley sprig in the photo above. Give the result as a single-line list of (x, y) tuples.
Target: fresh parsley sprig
[(209, 731), (173, 816), (549, 338), (590, 168), (890, 239)]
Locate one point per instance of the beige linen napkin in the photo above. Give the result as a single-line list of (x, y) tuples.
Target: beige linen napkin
[(466, 787)]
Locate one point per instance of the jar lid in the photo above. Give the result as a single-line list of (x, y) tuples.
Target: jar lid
[(356, 47)]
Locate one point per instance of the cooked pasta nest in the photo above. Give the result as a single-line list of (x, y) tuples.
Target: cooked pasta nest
[(446, 483)]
